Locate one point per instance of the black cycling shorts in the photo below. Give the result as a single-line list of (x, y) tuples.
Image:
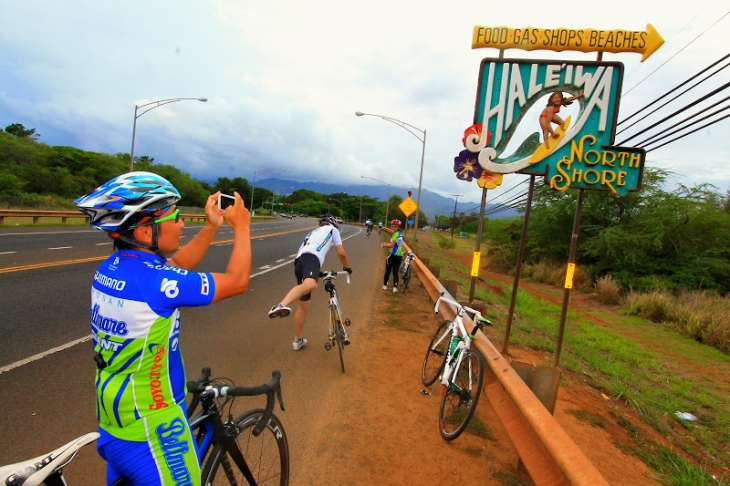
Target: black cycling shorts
[(306, 266)]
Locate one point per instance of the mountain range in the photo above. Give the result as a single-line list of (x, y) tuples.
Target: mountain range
[(431, 202)]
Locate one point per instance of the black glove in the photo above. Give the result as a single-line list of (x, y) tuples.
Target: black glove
[(347, 269)]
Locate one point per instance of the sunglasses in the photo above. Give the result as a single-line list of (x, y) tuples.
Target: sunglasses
[(173, 215)]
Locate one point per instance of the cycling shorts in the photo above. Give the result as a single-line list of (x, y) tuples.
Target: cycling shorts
[(167, 458), (306, 266)]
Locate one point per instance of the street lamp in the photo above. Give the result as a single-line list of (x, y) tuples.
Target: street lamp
[(156, 104), (387, 203), (407, 127), (253, 184), (273, 193)]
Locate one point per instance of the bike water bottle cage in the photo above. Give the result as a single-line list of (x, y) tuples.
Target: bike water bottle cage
[(100, 363)]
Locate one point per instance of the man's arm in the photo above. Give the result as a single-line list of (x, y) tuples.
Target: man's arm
[(343, 256), (190, 255), (238, 271)]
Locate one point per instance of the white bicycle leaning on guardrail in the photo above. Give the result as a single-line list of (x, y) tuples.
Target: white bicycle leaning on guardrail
[(451, 361)]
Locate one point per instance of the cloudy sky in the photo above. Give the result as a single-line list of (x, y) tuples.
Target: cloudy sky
[(284, 79)]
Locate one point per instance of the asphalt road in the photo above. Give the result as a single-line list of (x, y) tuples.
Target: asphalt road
[(45, 278)]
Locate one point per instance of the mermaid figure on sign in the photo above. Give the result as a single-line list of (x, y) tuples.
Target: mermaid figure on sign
[(550, 114)]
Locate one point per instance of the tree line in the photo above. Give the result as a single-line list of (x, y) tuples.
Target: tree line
[(36, 175)]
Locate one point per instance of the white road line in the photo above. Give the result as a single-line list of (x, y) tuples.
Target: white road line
[(43, 354), (7, 252), (280, 260), (265, 267), (102, 244), (61, 248)]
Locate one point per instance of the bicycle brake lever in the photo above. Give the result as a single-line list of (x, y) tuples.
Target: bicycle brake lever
[(279, 397)]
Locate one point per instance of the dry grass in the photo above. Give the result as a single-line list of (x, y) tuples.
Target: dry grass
[(608, 291)]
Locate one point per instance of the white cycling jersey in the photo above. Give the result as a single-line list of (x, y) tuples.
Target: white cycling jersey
[(319, 241)]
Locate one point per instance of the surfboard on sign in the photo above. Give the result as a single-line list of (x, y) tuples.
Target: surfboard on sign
[(542, 151)]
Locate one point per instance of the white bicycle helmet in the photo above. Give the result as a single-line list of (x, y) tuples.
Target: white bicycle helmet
[(113, 203)]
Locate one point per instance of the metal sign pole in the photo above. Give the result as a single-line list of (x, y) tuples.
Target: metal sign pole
[(518, 268), (477, 251)]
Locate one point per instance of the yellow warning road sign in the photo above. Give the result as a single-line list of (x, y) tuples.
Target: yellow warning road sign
[(408, 206)]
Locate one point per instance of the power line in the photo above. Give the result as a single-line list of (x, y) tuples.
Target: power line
[(673, 90), (649, 140), (688, 133), (686, 46)]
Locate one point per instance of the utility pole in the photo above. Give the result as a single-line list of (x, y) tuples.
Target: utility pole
[(453, 220)]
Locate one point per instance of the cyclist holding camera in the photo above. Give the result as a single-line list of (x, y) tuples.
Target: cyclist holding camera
[(136, 297)]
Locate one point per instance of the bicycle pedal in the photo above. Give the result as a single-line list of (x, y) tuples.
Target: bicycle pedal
[(425, 393)]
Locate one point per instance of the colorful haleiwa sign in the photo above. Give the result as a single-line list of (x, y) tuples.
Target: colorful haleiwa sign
[(583, 40), (576, 152)]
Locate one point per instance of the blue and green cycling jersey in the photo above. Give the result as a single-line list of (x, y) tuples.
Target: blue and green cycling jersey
[(135, 324), (397, 238)]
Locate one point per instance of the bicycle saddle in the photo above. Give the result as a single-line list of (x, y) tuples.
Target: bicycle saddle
[(34, 471)]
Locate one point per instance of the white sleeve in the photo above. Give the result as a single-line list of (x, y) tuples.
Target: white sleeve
[(336, 240)]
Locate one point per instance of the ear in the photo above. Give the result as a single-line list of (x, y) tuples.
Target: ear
[(143, 234)]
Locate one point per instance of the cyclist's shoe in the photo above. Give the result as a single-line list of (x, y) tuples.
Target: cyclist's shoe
[(395, 290), (299, 343), (385, 287), (346, 340), (279, 310)]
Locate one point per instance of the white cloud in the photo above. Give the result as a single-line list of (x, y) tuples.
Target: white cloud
[(284, 79)]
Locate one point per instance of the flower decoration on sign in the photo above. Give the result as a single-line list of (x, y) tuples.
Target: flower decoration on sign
[(475, 129), (489, 180), (467, 166)]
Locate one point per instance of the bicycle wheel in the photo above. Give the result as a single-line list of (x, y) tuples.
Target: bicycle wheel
[(339, 336), (433, 364), (267, 455), (406, 278), (461, 396)]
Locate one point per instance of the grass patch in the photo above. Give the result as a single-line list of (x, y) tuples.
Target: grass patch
[(587, 417), (480, 429), (507, 478)]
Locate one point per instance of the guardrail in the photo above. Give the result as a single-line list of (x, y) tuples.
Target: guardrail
[(546, 450), (64, 215)]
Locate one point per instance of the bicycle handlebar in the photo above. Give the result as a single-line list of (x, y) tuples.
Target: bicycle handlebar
[(201, 388), (331, 274), (479, 320)]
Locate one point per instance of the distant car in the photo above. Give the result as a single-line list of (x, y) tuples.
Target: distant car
[(339, 220), (288, 216), (304, 215)]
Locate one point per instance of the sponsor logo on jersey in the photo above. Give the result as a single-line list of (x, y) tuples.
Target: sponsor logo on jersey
[(107, 324), (109, 282), (205, 285), (158, 395), (178, 270), (174, 450), (169, 287), (105, 343)]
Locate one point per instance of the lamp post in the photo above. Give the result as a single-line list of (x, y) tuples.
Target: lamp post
[(273, 193), (387, 202), (408, 127), (156, 104), (253, 184)]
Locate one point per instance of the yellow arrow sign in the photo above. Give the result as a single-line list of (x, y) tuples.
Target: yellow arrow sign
[(408, 206), (561, 39)]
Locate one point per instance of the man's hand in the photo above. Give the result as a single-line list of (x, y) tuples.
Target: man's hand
[(213, 213), (347, 269), (237, 216)]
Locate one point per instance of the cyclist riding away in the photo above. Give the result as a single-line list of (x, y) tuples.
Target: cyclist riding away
[(136, 297), (392, 263), (369, 226), (309, 259), (380, 226)]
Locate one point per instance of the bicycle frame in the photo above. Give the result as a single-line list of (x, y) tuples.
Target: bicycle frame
[(456, 329)]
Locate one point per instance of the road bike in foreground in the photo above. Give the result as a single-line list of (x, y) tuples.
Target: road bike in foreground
[(336, 335), (451, 361), (250, 449), (406, 270)]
